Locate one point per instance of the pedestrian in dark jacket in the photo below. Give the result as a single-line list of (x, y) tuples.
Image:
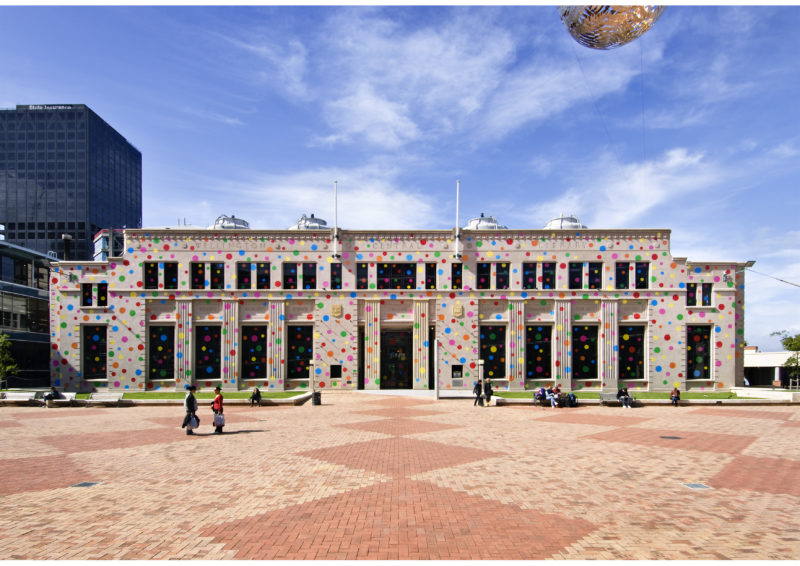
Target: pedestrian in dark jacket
[(487, 391), (255, 397), (190, 406), (478, 391)]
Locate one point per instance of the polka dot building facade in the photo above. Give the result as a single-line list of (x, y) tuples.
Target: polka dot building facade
[(285, 309)]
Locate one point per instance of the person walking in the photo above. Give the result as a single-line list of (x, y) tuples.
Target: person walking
[(478, 391), (216, 406), (487, 391), (190, 406)]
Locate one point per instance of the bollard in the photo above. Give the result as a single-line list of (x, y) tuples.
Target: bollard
[(316, 398)]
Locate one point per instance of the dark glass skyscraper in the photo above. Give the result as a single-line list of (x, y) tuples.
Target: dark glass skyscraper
[(65, 174)]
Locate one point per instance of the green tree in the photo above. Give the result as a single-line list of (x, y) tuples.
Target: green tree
[(7, 363), (791, 344)]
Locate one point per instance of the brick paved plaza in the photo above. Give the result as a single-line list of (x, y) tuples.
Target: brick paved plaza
[(367, 476)]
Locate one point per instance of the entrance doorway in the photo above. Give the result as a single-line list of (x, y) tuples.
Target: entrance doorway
[(396, 359)]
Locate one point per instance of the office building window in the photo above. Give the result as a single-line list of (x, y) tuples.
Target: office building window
[(397, 276), (493, 351), (584, 352), (309, 276), (198, 273), (430, 276), (529, 276), (215, 271), (151, 275), (456, 275), (575, 274), (362, 276), (501, 275), (162, 352), (698, 352), (595, 276), (170, 274), (336, 275), (484, 276), (207, 344), (243, 275), (642, 275), (631, 353), (300, 351), (290, 275), (254, 352), (623, 275), (548, 275), (87, 290), (95, 352), (691, 294), (538, 352), (705, 295), (217, 275), (102, 294)]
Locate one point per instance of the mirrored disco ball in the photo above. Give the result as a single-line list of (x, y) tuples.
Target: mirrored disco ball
[(607, 27)]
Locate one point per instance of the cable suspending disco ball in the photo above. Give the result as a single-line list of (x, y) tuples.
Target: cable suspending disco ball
[(607, 27)]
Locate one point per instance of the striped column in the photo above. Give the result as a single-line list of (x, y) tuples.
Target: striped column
[(563, 339), (420, 337), (183, 343), (516, 344), (372, 344), (609, 338), (276, 338), (230, 341)]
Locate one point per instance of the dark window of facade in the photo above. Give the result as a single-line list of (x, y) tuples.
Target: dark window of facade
[(362, 276), (493, 351), (254, 352), (336, 275), (698, 352), (217, 275), (243, 275), (484, 276), (642, 275), (150, 275), (705, 295), (576, 275), (529, 276), (456, 275), (207, 344), (631, 352), (86, 294), (290, 276), (309, 276), (623, 275), (102, 294), (300, 351), (170, 275), (538, 352), (691, 294), (584, 352), (198, 273), (94, 351), (548, 275), (501, 275), (162, 352), (595, 276), (262, 275), (430, 276), (397, 276)]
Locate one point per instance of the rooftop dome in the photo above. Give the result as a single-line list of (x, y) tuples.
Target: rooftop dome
[(225, 222), (309, 223), (484, 223), (565, 222)]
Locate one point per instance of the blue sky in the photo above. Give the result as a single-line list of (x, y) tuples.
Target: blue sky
[(255, 111)]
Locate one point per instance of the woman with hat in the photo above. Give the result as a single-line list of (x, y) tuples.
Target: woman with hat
[(216, 406)]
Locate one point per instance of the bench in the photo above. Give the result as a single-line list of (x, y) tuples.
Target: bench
[(606, 398), (105, 398), (67, 399), (545, 402), (26, 397)]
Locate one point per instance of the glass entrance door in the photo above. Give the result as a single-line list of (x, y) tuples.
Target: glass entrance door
[(396, 359)]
